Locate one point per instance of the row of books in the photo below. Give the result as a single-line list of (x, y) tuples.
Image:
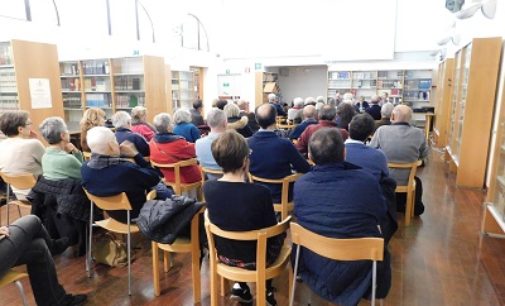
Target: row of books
[(5, 54), (96, 67), (96, 84), (98, 100), (129, 101), (71, 84), (69, 69), (71, 102), (8, 103), (128, 83)]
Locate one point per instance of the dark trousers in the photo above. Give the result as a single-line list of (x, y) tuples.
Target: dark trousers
[(401, 199), (28, 244)]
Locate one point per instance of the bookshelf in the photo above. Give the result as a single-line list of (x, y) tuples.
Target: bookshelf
[(183, 89), (443, 102), (266, 83), (471, 111), (21, 61)]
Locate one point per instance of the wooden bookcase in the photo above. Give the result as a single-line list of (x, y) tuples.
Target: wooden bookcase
[(183, 89), (265, 84), (21, 61), (443, 102), (472, 107)]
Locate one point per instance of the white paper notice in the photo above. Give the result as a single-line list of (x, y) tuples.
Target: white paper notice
[(40, 93)]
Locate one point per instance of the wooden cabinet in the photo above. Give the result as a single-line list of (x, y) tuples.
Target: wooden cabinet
[(443, 102), (471, 111), (20, 62), (266, 83)]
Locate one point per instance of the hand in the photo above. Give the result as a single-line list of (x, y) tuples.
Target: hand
[(69, 147), (126, 148), (4, 230)]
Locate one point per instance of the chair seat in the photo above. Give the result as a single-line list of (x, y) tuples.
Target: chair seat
[(116, 226), (180, 245), (278, 206), (183, 185), (11, 277), (24, 204), (405, 188), (243, 275)]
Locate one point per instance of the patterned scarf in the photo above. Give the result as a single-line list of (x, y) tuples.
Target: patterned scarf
[(99, 161)]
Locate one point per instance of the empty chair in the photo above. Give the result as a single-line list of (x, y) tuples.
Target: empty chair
[(21, 181)]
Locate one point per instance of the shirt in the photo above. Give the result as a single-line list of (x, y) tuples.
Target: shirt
[(204, 152), (59, 165)]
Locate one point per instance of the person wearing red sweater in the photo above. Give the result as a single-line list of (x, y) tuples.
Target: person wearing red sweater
[(167, 147), (140, 124)]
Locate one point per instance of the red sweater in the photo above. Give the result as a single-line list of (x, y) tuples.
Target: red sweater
[(144, 130), (176, 150), (303, 141)]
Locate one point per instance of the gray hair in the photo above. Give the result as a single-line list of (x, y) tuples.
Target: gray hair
[(375, 99), (231, 110), (309, 100), (162, 122), (347, 98), (121, 119), (181, 116), (319, 105), (298, 102), (138, 113), (52, 128), (387, 109), (242, 104), (99, 138), (271, 97), (216, 118), (320, 99)]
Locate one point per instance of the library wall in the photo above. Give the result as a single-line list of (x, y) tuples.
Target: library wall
[(303, 82)]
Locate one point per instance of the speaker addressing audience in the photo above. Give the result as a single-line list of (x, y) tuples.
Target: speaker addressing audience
[(235, 205), (339, 200), (184, 127), (122, 121), (140, 124)]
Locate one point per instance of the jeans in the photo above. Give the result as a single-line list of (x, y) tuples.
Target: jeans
[(28, 244)]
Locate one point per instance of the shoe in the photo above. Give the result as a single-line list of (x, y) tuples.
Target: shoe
[(59, 246), (270, 298), (418, 209), (74, 300), (243, 295)]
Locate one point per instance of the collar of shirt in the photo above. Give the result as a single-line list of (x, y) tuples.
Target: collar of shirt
[(265, 130), (349, 140)]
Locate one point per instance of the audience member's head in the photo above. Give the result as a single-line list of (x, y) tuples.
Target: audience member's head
[(332, 102), (216, 119), (163, 123), (386, 110), (231, 111), (375, 99), (348, 98), (319, 105), (102, 140), (54, 130), (326, 146), (265, 115), (14, 123), (310, 101), (139, 114), (243, 105), (401, 113), (214, 102), (272, 98), (309, 112), (320, 99), (345, 112), (298, 102), (182, 116), (198, 105), (221, 104), (231, 152), (92, 117), (361, 127), (328, 112), (121, 119)]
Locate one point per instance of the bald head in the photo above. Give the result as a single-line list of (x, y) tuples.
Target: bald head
[(309, 112), (265, 115), (375, 99), (401, 113)]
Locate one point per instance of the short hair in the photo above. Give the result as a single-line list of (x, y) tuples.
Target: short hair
[(345, 112), (182, 116), (271, 97), (221, 104), (231, 110), (327, 112), (138, 113), (387, 109), (92, 117), (331, 101), (52, 128), (162, 122), (99, 138), (10, 121), (403, 113), (310, 100), (326, 146), (375, 99), (361, 127), (266, 115), (242, 104), (197, 104), (216, 118), (230, 150), (320, 99), (309, 111), (121, 119), (298, 101), (347, 98), (319, 105)]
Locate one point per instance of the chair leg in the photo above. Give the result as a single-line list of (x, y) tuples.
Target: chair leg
[(223, 285), (90, 243), (7, 199), (21, 292), (295, 272), (261, 293), (156, 268), (408, 208), (213, 285), (128, 246), (167, 261), (195, 270), (374, 282)]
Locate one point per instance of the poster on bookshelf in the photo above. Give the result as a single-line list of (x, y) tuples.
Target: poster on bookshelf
[(40, 93)]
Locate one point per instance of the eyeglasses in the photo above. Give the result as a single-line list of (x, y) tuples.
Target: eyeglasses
[(28, 123)]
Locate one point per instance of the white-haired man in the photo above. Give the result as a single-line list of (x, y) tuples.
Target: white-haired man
[(122, 121), (386, 110), (375, 109), (295, 113), (216, 119), (272, 99)]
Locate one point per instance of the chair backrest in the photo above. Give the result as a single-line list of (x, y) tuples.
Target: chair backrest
[(285, 181), (177, 167), (151, 195), (260, 235), (86, 155), (412, 166), (115, 202), (370, 248), (19, 180)]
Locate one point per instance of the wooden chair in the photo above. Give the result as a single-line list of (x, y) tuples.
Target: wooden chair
[(181, 245), (337, 249), (284, 207), (19, 181), (86, 155), (116, 202), (206, 171), (15, 277), (262, 272), (410, 188), (178, 186)]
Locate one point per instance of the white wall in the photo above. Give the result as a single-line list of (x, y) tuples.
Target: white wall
[(303, 82)]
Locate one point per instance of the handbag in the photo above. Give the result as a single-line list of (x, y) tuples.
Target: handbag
[(109, 250)]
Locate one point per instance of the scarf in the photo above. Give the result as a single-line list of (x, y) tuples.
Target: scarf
[(99, 161)]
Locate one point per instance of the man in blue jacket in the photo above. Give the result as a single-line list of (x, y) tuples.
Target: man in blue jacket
[(339, 200)]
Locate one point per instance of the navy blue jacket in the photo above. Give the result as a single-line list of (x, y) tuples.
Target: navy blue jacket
[(138, 140), (187, 130), (298, 130), (371, 159), (340, 200), (280, 110), (375, 111), (274, 157)]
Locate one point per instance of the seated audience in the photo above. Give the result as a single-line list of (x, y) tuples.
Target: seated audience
[(339, 200), (320, 99), (402, 143), (107, 174), (375, 109), (92, 117), (168, 148), (245, 111), (19, 153), (345, 112), (196, 113), (221, 104), (386, 110), (327, 117), (140, 124), (309, 118), (295, 113), (216, 119), (272, 156), (122, 122), (235, 122), (319, 105), (273, 99), (348, 98), (310, 101), (184, 127), (254, 212), (361, 105), (26, 242)]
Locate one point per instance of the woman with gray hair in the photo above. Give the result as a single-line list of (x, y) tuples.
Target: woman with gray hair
[(139, 123), (167, 148), (122, 122), (237, 123), (184, 127), (62, 159)]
